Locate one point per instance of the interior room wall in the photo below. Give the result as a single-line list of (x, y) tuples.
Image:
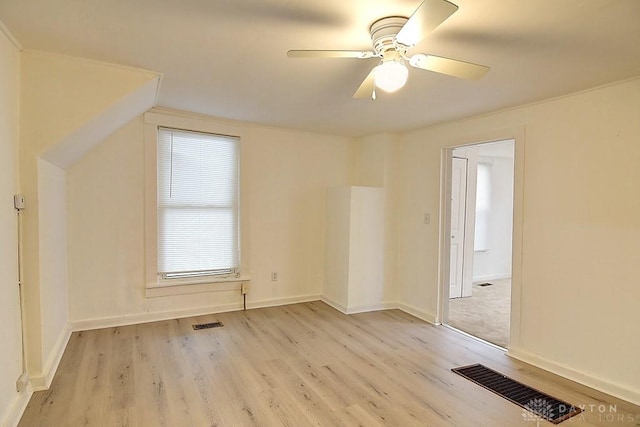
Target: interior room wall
[(495, 263), (11, 354), (335, 289), (580, 229), (59, 95), (376, 165), (418, 250), (286, 174), (53, 262), (354, 279), (284, 177), (366, 257)]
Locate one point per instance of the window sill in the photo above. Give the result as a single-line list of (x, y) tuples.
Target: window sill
[(181, 287)]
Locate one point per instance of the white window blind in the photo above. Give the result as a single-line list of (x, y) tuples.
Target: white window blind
[(198, 193), (483, 207)]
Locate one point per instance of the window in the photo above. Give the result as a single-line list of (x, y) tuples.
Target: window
[(197, 205), (483, 208)]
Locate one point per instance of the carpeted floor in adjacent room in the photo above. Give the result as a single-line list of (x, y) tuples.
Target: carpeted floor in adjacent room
[(486, 313)]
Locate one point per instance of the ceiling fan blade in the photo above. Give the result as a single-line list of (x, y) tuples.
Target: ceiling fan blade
[(366, 89), (359, 54), (425, 19), (452, 67)]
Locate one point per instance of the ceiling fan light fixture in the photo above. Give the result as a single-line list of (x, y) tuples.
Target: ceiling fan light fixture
[(393, 38), (391, 75)]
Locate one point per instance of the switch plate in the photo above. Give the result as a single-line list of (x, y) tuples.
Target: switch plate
[(18, 201), (274, 276), (427, 218)]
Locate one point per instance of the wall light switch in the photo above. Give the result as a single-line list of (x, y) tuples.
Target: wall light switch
[(427, 218), (18, 201)]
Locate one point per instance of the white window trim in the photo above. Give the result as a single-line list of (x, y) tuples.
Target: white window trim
[(488, 163), (155, 286)]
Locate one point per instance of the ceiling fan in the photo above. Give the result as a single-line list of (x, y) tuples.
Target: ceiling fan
[(392, 38)]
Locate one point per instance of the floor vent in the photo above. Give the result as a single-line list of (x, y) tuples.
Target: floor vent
[(485, 284), (537, 405), (207, 325)]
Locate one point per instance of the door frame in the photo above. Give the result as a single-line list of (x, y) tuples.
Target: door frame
[(469, 218), (467, 230), (518, 136)]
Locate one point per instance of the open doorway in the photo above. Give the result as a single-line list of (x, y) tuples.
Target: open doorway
[(481, 230)]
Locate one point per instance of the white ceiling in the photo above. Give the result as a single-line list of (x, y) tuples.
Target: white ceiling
[(227, 58)]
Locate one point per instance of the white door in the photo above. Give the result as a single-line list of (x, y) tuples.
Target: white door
[(458, 213)]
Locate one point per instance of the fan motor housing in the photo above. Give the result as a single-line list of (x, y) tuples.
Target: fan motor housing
[(384, 31)]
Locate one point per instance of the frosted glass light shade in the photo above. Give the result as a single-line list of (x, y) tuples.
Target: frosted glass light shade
[(391, 76)]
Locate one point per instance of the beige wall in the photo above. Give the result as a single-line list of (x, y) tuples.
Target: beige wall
[(105, 203), (11, 353), (354, 249), (496, 262), (335, 288), (52, 226), (284, 176), (376, 164), (581, 229), (61, 102)]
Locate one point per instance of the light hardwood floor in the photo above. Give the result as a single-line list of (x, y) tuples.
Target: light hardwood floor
[(297, 365)]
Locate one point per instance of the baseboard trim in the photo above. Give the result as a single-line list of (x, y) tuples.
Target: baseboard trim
[(43, 382), (373, 307), (360, 308), (491, 277), (416, 312), (341, 308), (133, 319), (473, 337), (275, 302), (565, 371), (16, 408)]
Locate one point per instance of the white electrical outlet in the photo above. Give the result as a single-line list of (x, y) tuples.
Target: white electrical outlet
[(274, 276)]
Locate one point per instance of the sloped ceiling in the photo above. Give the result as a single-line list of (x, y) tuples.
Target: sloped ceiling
[(227, 58), (69, 105)]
